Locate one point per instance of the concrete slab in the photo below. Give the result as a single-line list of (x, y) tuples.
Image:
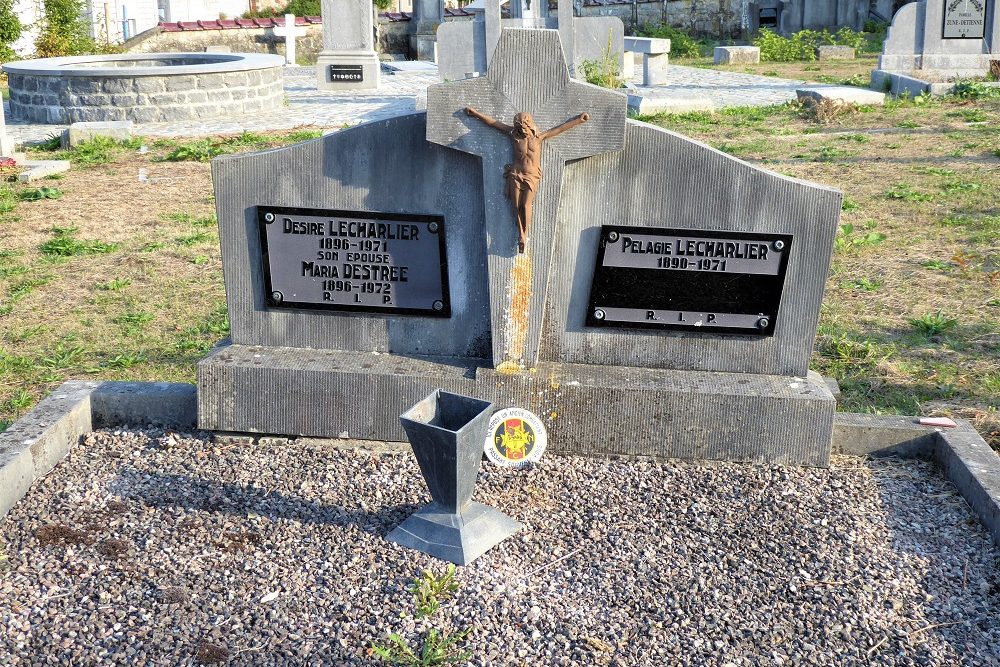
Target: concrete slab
[(401, 66), (78, 133), (38, 169), (649, 104), (842, 95)]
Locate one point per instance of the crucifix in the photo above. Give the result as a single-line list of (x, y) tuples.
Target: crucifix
[(527, 77), (289, 31), (525, 173)]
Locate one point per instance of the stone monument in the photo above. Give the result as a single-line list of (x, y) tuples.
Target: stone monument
[(428, 15), (665, 303), (936, 41), (466, 47), (348, 60)]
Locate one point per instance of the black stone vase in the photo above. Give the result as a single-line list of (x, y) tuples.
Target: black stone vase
[(446, 432)]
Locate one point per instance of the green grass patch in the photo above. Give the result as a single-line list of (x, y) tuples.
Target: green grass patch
[(65, 244)]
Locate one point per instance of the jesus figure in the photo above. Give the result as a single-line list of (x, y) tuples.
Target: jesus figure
[(525, 172)]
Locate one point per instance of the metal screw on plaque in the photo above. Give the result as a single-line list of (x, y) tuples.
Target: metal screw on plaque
[(277, 297), (269, 217), (613, 236), (446, 432), (433, 227), (598, 314), (438, 305), (779, 245), (762, 323)]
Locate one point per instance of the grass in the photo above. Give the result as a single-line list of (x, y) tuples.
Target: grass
[(437, 648), (910, 322), (65, 244)]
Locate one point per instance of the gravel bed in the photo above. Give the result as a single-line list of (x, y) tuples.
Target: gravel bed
[(157, 548)]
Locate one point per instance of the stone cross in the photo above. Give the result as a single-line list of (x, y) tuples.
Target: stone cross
[(289, 31), (528, 74)]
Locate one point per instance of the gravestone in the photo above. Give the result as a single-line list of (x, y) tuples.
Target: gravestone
[(348, 60), (937, 40), (467, 47), (427, 16), (290, 32), (665, 302)]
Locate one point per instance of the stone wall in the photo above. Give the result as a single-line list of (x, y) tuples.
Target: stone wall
[(244, 40), (143, 99)]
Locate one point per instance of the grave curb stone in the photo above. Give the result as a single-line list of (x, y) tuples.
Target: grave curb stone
[(841, 95), (736, 55), (39, 440), (832, 52), (78, 133)]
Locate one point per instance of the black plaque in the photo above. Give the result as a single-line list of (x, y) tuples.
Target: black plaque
[(964, 19), (346, 74), (716, 282), (392, 263)]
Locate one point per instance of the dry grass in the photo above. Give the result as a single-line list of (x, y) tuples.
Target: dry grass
[(923, 175)]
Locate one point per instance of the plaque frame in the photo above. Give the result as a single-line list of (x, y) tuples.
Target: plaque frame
[(593, 322), (262, 210), (944, 22), (346, 69)]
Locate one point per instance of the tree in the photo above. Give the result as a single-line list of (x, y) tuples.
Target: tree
[(64, 31), (10, 30)]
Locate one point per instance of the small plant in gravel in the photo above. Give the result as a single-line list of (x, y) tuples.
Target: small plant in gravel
[(438, 648), (430, 590), (8, 199), (933, 324)]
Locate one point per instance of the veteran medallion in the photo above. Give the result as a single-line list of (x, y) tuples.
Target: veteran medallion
[(515, 438)]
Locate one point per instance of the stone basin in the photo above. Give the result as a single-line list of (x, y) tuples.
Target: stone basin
[(144, 88)]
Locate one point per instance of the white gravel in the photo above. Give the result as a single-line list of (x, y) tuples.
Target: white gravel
[(153, 548)]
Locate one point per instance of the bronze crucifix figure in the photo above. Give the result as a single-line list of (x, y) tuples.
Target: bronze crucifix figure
[(525, 172)]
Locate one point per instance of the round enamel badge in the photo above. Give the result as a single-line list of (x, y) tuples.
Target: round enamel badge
[(515, 438)]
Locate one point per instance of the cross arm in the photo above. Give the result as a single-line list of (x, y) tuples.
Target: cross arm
[(492, 122), (571, 123)]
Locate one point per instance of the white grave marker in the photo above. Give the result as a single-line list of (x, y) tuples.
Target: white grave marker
[(289, 31)]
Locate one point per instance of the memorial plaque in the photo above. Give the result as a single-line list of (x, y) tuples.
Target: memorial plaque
[(964, 19), (352, 73), (393, 263), (716, 282)]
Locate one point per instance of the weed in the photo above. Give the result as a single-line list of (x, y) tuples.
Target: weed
[(960, 186), (862, 284), (846, 240), (906, 192), (849, 205), (604, 71), (826, 110), (936, 171), (908, 124), (937, 265), (682, 45), (193, 239), (8, 199), (63, 244), (53, 142), (437, 649), (37, 194), (152, 246), (62, 356), (199, 260), (115, 285), (134, 318), (126, 361), (858, 138), (430, 590), (202, 150), (100, 150), (974, 90), (933, 324), (969, 115), (299, 136), (830, 153), (20, 401)]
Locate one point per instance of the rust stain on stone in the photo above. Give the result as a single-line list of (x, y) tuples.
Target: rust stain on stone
[(520, 298)]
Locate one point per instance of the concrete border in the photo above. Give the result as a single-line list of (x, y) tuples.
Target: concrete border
[(34, 444), (88, 66)]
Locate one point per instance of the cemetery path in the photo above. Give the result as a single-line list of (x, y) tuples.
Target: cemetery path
[(400, 94)]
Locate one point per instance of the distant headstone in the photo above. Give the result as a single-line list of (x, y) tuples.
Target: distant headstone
[(937, 40), (736, 55), (832, 52), (348, 60), (290, 32), (666, 301), (465, 47)]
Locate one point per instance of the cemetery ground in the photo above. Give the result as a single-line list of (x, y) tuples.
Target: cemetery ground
[(210, 551)]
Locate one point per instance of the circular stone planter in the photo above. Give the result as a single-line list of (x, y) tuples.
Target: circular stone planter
[(144, 88)]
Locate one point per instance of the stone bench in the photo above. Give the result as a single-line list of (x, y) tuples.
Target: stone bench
[(655, 58), (736, 55)]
